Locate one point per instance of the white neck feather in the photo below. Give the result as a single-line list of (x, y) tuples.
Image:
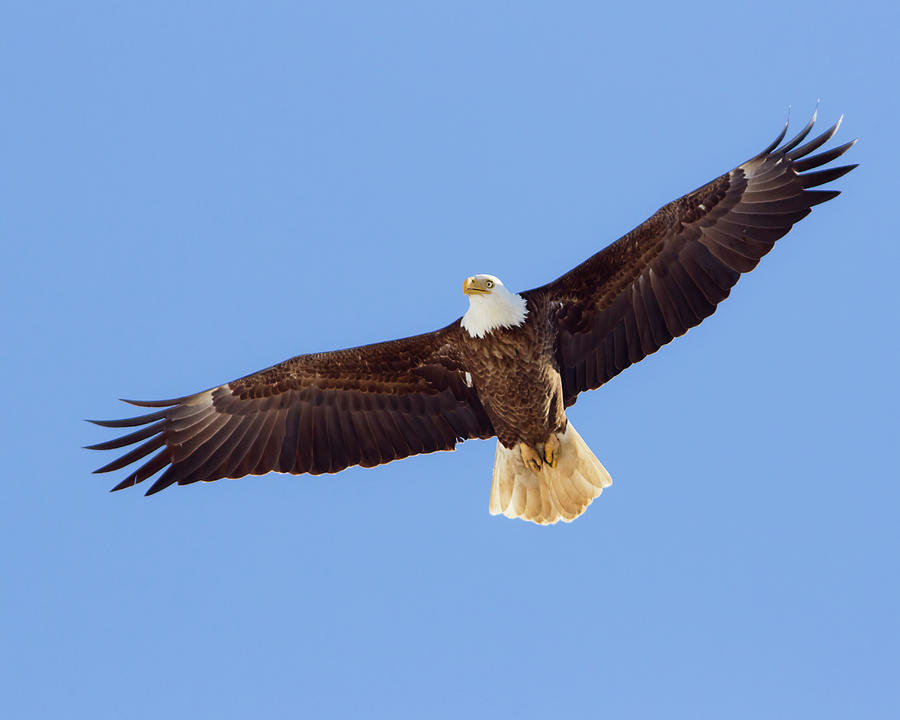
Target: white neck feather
[(498, 309)]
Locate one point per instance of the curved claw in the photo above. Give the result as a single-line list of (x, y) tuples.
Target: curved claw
[(530, 457), (551, 450)]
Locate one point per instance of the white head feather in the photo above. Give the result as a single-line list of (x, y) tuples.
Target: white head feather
[(491, 306)]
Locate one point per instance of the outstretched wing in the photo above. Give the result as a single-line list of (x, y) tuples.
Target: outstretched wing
[(669, 273), (314, 414)]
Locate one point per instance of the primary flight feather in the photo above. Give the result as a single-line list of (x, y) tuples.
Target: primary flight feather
[(508, 368)]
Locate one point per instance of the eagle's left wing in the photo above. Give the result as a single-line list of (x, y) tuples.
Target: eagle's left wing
[(317, 413), (669, 273)]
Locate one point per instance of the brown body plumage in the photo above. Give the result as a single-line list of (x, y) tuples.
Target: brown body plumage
[(527, 404), (364, 406)]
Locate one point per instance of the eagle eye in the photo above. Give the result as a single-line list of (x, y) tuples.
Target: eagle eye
[(489, 284)]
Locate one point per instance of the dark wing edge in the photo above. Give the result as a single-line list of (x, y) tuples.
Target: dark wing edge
[(317, 413), (668, 274)]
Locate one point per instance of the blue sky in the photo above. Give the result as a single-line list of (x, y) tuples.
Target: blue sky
[(190, 193)]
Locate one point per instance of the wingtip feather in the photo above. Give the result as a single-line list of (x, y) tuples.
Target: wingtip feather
[(132, 421), (154, 403), (777, 141), (798, 138), (128, 482)]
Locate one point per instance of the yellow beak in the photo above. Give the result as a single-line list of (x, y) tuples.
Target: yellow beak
[(471, 287)]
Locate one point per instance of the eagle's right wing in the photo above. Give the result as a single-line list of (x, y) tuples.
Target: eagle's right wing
[(315, 413)]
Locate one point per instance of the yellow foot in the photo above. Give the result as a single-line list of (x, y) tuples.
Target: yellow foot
[(530, 457), (551, 450)]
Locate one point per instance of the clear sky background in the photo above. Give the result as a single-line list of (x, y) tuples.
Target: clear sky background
[(193, 191)]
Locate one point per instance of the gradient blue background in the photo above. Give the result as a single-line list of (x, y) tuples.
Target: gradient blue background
[(194, 191)]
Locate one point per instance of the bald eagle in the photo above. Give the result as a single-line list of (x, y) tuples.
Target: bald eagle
[(508, 368)]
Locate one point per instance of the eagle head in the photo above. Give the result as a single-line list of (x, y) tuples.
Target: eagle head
[(491, 306)]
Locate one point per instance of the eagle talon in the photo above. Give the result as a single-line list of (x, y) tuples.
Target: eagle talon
[(530, 457), (551, 450)]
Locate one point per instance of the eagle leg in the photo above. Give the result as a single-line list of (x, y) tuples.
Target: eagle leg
[(530, 456), (551, 450)]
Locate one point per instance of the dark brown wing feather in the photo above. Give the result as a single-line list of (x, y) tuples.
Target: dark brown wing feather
[(669, 273), (316, 413)]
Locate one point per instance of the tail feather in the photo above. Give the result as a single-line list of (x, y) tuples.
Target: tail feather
[(551, 494)]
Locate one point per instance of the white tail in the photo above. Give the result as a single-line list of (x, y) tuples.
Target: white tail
[(550, 494)]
